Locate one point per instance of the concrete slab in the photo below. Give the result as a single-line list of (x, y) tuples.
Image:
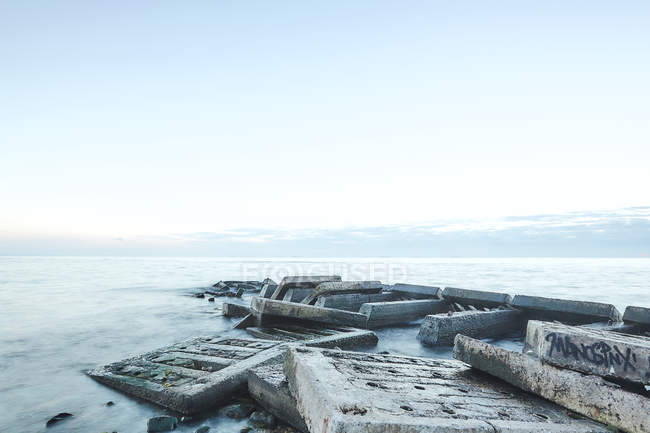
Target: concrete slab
[(476, 298), (193, 375), (231, 309), (640, 315), (269, 387), (565, 311), (351, 392), (269, 312), (592, 351), (268, 289), (297, 294), (338, 287), (588, 395), (341, 337), (416, 290), (398, 312), (304, 281), (353, 301), (441, 329)]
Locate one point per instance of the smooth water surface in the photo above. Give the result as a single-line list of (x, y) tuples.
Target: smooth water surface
[(64, 315)]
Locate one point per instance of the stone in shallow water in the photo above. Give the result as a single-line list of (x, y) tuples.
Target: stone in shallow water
[(262, 419), (161, 424), (354, 392), (56, 418)]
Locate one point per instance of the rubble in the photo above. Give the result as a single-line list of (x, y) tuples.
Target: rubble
[(268, 288), (440, 329), (350, 392), (353, 301), (399, 312), (317, 336), (340, 287), (565, 311), (589, 395), (592, 351), (308, 282), (476, 298), (637, 316), (416, 290)]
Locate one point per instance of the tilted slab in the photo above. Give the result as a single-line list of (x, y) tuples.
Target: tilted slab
[(332, 287), (341, 337), (269, 387), (588, 395), (566, 311), (398, 312), (441, 329), (351, 392), (232, 309), (268, 289), (593, 351), (297, 294), (354, 301), (193, 375), (304, 281), (640, 315), (476, 298), (417, 290), (269, 312)]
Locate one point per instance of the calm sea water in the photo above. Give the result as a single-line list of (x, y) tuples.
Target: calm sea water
[(61, 316)]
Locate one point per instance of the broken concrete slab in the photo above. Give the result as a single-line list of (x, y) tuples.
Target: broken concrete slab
[(341, 337), (565, 311), (351, 392), (398, 312), (416, 290), (269, 387), (297, 294), (476, 298), (231, 309), (268, 289), (592, 351), (588, 395), (339, 287), (354, 301), (440, 329), (301, 281), (193, 375), (638, 315), (269, 312)]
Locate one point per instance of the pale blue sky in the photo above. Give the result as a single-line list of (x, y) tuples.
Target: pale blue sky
[(127, 119)]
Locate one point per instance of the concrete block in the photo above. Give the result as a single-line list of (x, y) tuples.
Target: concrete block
[(416, 290), (268, 289), (269, 387), (191, 376), (565, 311), (592, 351), (308, 281), (476, 298), (589, 395), (353, 301), (640, 315), (231, 309), (440, 329), (398, 312), (268, 312), (343, 338), (351, 392)]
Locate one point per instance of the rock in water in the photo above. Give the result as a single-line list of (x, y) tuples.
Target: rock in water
[(57, 418), (161, 423), (262, 419), (238, 410), (202, 429)]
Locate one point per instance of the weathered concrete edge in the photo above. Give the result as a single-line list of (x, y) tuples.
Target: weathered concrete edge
[(611, 405)]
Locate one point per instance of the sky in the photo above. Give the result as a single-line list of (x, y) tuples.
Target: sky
[(132, 127)]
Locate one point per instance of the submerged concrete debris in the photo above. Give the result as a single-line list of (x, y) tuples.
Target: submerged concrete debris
[(301, 282), (441, 329), (566, 311), (269, 312), (593, 351), (416, 290), (589, 395), (382, 314), (231, 309), (475, 298), (349, 392)]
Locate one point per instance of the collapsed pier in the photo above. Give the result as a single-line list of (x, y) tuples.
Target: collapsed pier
[(307, 359)]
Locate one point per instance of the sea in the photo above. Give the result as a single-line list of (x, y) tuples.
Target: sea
[(62, 316)]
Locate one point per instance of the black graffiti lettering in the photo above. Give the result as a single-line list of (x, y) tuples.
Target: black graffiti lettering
[(598, 353)]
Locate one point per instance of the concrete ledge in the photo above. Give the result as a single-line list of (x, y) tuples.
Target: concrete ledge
[(354, 301), (268, 311), (441, 329), (591, 351), (565, 311), (416, 290), (588, 395), (301, 281), (476, 298), (640, 315), (230, 309), (397, 312)]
